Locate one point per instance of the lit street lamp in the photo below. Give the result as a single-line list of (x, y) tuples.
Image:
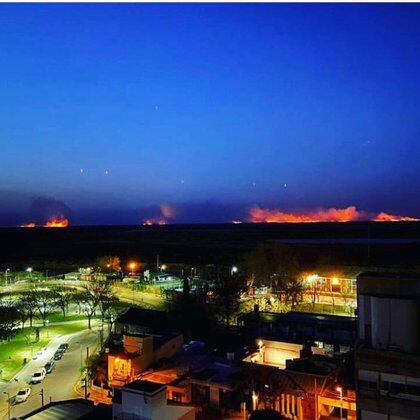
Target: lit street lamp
[(132, 266), (233, 270), (6, 273)]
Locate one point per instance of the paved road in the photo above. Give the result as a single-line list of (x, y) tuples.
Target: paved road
[(58, 385), (126, 294)]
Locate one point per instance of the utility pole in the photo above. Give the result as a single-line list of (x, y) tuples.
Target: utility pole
[(101, 338), (157, 262), (86, 386)]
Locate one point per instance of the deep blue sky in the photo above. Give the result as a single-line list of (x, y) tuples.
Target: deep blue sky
[(210, 103)]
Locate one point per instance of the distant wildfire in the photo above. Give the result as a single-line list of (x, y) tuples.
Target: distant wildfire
[(153, 221), (57, 222), (53, 222), (386, 217), (348, 214), (168, 212), (28, 225)]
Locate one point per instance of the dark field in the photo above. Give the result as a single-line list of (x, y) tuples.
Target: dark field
[(378, 244)]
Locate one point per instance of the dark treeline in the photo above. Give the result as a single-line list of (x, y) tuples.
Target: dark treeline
[(210, 244)]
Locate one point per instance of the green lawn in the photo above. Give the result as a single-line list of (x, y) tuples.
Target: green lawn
[(58, 317), (22, 345), (323, 308)]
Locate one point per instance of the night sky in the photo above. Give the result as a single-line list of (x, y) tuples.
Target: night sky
[(108, 111)]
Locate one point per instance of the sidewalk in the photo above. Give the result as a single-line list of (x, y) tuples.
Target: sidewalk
[(95, 394), (23, 376)]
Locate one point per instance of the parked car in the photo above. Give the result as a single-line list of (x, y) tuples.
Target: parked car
[(58, 355), (38, 376), (23, 394), (49, 366), (63, 347)]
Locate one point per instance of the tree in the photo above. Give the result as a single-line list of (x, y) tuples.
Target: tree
[(108, 308), (268, 263), (92, 295), (108, 263), (27, 302), (9, 321), (45, 303), (191, 309), (227, 291), (63, 297), (270, 304), (293, 290), (313, 288)]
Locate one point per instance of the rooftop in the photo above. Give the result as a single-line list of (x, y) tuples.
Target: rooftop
[(145, 317), (300, 318), (398, 285), (146, 387), (71, 409)]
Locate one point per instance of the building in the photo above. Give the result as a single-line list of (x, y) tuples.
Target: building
[(198, 376), (388, 356), (301, 381), (137, 352), (330, 332), (144, 321), (145, 400), (77, 409)]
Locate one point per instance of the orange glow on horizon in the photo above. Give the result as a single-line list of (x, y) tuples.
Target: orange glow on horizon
[(57, 222), (347, 214), (260, 215), (150, 222), (386, 217), (28, 225)]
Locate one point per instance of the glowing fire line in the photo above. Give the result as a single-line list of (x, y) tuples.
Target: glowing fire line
[(347, 214)]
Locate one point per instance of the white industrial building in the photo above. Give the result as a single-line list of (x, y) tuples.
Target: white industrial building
[(388, 354)]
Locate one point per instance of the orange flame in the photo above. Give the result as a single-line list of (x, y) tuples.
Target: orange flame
[(150, 222), (168, 212), (386, 217), (57, 222), (347, 214), (28, 225)]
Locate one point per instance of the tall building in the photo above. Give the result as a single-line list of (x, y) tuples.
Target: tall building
[(388, 355)]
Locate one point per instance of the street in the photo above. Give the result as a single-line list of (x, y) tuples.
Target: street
[(57, 385)]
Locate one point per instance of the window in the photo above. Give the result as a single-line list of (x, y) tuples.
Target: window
[(176, 396)]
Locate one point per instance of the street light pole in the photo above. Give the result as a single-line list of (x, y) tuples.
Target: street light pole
[(6, 274), (42, 397)]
